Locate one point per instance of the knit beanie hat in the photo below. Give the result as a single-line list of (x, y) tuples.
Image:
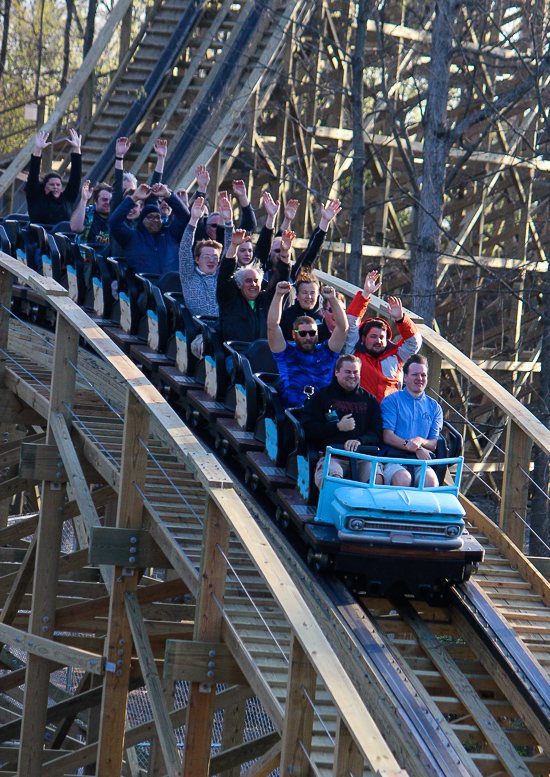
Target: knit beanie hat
[(149, 209)]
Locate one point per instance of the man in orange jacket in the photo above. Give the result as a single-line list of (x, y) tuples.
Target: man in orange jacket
[(381, 359)]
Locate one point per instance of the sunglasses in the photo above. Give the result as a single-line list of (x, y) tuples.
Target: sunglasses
[(306, 332)]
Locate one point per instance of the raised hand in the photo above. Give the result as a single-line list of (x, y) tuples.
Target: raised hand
[(224, 207), (197, 209), (203, 177), (272, 207), (184, 197), (239, 190), (291, 209), (239, 236), (142, 192), (40, 142), (328, 292), (122, 146), (75, 140), (330, 210), (160, 190), (395, 308), (160, 147), (283, 287), (372, 282), (87, 190), (287, 238)]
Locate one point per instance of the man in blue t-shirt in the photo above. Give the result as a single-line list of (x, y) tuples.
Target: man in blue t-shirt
[(411, 424), (304, 363)]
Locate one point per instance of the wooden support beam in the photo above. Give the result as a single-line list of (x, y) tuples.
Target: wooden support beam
[(347, 757), (208, 626), (234, 718), (54, 651), (132, 548), (515, 483), (202, 662), (235, 756), (266, 763), (156, 698), (14, 411), (119, 638), (298, 727), (21, 582), (47, 563)]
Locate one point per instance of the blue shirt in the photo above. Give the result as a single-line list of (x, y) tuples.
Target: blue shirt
[(408, 416), (298, 369)]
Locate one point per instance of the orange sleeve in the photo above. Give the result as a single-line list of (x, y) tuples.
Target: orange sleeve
[(406, 328), (358, 305)]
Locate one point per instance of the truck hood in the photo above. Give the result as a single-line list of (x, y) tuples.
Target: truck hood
[(398, 500)]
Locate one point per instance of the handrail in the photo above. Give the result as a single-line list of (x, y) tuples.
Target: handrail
[(523, 427), (307, 634)]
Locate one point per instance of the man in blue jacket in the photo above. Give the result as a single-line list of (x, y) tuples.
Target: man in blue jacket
[(152, 247)]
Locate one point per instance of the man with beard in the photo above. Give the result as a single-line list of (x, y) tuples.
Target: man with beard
[(304, 362), (342, 413), (91, 222), (381, 359)]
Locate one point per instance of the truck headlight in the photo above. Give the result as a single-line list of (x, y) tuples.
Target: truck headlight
[(356, 524), (452, 531)]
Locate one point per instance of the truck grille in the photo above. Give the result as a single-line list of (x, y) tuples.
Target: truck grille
[(385, 527)]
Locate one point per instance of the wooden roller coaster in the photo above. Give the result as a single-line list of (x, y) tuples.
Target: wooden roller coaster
[(153, 620)]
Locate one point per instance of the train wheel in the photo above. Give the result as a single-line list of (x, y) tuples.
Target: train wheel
[(318, 561)]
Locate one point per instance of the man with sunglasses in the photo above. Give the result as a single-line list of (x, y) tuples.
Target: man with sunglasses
[(304, 363)]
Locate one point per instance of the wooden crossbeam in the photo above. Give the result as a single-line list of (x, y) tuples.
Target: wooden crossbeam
[(132, 548), (54, 651), (161, 715), (239, 754), (202, 662), (266, 763)]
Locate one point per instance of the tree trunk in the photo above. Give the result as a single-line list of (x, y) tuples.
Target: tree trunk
[(5, 35), (437, 144), (359, 158), (66, 46), (86, 95)]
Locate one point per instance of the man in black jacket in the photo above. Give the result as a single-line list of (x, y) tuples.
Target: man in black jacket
[(243, 305), (342, 413)]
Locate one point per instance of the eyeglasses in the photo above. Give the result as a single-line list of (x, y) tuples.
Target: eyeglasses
[(306, 332), (153, 217)]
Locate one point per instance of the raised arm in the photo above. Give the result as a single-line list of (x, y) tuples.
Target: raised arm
[(275, 337), (160, 149), (338, 337), (73, 187), (411, 339), (33, 180), (186, 259), (289, 214), (226, 218), (271, 208), (119, 229), (79, 214), (308, 258), (248, 217)]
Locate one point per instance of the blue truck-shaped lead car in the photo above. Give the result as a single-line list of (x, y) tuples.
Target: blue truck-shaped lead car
[(391, 538)]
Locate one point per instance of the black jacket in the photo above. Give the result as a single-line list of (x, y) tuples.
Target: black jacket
[(290, 315), (45, 208), (362, 405), (239, 320)]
